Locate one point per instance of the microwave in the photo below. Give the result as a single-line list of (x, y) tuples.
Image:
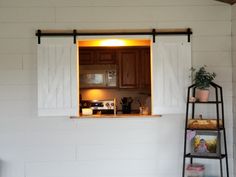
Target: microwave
[(98, 78)]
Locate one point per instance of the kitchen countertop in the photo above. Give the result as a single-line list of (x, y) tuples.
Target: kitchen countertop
[(116, 116)]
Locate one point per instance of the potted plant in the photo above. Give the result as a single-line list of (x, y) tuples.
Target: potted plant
[(202, 79)]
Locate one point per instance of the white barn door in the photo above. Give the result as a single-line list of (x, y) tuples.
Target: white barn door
[(171, 74), (57, 77)]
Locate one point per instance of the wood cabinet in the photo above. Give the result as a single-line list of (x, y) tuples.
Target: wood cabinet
[(134, 67), (133, 63), (96, 56), (86, 56), (105, 56), (128, 62), (144, 69)]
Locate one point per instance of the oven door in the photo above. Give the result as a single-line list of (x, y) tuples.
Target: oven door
[(92, 78)]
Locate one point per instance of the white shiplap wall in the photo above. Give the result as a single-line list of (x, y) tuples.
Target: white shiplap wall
[(57, 147), (234, 78)]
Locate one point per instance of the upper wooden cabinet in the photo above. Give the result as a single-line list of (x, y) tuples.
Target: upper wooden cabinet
[(105, 56), (128, 73), (96, 56), (133, 63), (144, 69), (134, 67), (86, 56)]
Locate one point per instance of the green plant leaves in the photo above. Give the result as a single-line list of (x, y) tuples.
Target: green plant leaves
[(203, 78)]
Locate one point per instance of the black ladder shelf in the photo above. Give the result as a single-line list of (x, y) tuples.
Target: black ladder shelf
[(219, 129)]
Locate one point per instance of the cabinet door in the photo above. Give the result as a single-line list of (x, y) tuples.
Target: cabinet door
[(86, 56), (105, 56), (144, 69), (128, 59)]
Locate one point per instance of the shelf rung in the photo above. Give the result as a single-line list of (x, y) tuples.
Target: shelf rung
[(205, 157), (205, 129), (208, 102)]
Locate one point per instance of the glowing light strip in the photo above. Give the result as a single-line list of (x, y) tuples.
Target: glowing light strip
[(114, 43)]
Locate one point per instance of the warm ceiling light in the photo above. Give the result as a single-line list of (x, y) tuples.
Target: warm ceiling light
[(112, 42)]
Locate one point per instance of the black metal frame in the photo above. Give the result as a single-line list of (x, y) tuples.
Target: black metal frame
[(75, 33), (219, 129)]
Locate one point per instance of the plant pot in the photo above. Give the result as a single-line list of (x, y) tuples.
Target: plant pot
[(202, 95)]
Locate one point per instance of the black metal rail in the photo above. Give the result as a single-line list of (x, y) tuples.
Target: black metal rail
[(74, 33)]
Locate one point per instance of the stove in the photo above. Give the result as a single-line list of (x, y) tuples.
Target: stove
[(99, 106)]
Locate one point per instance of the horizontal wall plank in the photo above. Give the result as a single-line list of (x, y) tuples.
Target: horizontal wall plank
[(27, 30), (128, 151), (234, 74), (224, 74), (11, 61), (120, 133), (38, 153), (16, 30), (18, 45), (111, 14), (234, 43), (234, 131), (72, 3), (150, 124), (136, 3), (29, 62), (234, 59), (209, 28), (18, 77), (12, 168), (17, 107), (234, 93), (211, 43), (233, 11), (27, 15), (233, 27), (18, 92), (205, 28), (228, 88), (234, 102), (105, 168), (32, 124), (111, 137), (212, 58), (38, 138)]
